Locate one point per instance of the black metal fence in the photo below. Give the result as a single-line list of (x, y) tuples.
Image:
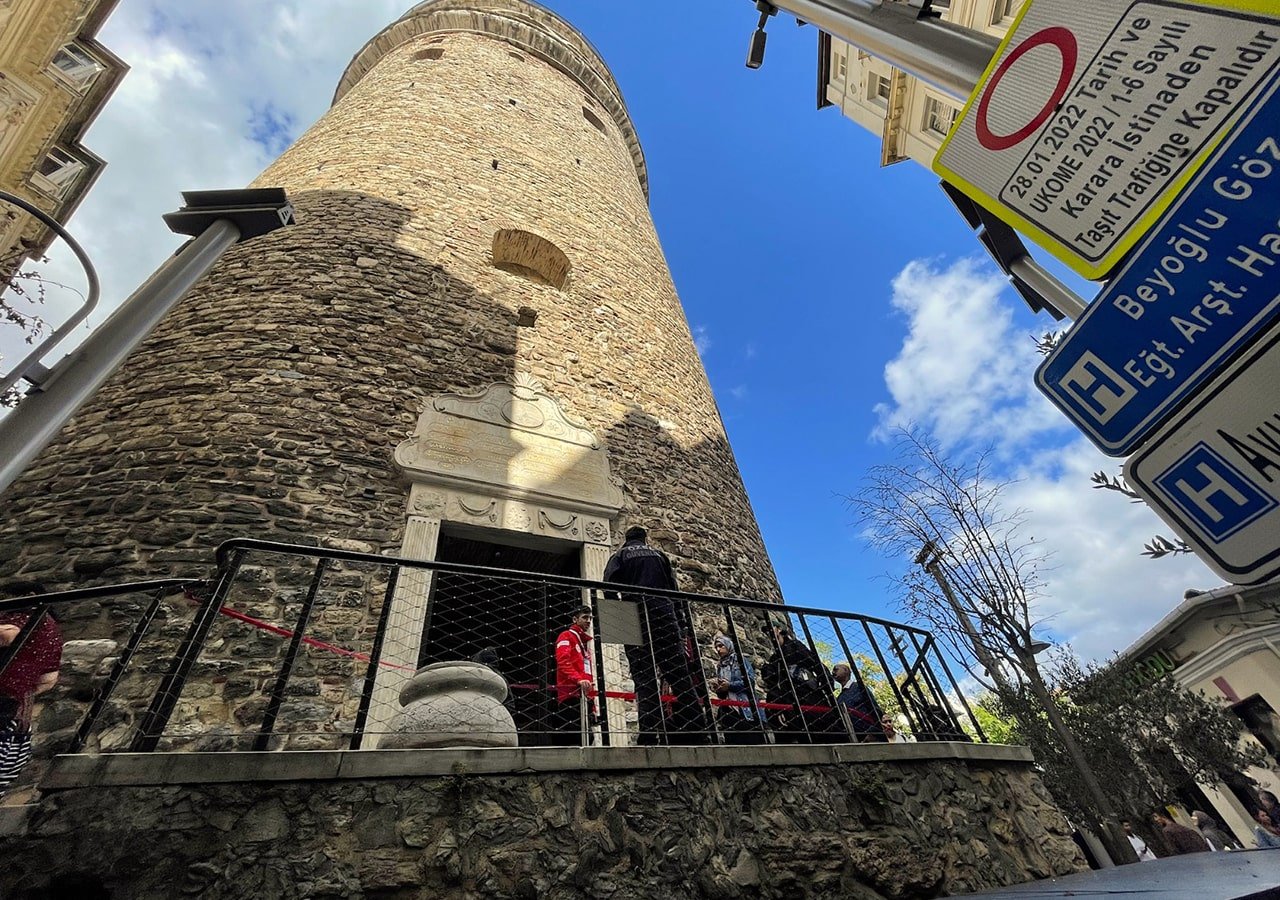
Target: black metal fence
[(290, 647)]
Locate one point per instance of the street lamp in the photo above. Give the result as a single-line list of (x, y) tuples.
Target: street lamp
[(215, 220)]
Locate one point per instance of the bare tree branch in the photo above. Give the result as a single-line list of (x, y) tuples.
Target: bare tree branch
[(948, 517)]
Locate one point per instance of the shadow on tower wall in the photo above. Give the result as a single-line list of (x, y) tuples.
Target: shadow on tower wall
[(739, 565), (280, 423)]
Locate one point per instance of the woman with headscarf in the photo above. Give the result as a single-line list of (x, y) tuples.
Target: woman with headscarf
[(740, 724), (1209, 830)]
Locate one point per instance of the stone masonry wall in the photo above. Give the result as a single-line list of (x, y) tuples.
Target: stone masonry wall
[(911, 829), (268, 404)]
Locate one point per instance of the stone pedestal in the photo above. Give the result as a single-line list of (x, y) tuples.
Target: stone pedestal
[(452, 704)]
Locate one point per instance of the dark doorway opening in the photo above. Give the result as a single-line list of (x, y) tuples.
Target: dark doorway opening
[(515, 614), (1262, 722)]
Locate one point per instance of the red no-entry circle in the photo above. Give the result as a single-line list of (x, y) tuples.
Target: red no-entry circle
[(1059, 37)]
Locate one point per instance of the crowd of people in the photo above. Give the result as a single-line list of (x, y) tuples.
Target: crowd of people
[(794, 696), (1207, 835)]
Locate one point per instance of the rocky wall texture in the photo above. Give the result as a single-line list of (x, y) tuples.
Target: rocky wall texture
[(887, 830), (269, 402)]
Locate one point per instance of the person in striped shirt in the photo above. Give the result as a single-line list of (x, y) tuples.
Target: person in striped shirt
[(27, 671)]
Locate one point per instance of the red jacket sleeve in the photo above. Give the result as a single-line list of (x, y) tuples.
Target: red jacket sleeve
[(569, 656)]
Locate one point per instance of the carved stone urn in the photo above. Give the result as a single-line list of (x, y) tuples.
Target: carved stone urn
[(452, 704)]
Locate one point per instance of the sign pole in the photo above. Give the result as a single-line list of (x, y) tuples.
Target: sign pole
[(216, 220), (950, 57)]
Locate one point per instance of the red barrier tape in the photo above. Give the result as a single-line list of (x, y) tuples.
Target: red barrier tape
[(311, 642), (715, 701)]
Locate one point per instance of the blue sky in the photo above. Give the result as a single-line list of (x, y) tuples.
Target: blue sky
[(831, 297)]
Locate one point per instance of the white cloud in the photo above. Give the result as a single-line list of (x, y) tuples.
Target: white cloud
[(701, 340), (964, 372), (1102, 593), (739, 392)]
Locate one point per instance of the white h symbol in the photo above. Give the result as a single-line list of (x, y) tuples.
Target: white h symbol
[(1103, 401), (1216, 485)]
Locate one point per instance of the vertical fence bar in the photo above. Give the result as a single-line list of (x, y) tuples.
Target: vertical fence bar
[(888, 674), (375, 657), (697, 676), (795, 695), (857, 677), (656, 686), (156, 718), (824, 680), (103, 694), (263, 740), (547, 698), (935, 686), (601, 687), (929, 642), (911, 680), (747, 677)]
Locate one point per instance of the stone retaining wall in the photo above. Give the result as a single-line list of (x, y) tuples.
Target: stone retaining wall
[(869, 821)]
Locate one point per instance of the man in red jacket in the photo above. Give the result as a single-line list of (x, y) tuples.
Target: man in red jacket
[(573, 681)]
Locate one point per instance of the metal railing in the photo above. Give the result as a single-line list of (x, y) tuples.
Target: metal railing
[(292, 647)]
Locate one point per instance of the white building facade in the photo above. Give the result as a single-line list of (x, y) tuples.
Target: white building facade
[(910, 116)]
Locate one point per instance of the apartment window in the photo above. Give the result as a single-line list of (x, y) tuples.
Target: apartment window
[(1003, 10), (878, 90), (840, 67), (57, 173), (941, 5), (75, 68), (939, 116)]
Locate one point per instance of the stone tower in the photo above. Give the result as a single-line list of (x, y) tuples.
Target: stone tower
[(470, 338)]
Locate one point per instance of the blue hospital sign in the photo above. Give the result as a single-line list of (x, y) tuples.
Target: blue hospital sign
[(1097, 388), (1218, 497), (1213, 473), (1201, 288)]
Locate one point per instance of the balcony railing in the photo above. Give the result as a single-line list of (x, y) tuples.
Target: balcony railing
[(297, 648)]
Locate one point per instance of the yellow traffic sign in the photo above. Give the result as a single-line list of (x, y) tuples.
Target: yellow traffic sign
[(1092, 117)]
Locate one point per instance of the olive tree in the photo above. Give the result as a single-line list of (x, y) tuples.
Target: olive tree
[(1146, 738)]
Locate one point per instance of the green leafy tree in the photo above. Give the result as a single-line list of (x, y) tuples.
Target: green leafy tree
[(1145, 739), (997, 724)]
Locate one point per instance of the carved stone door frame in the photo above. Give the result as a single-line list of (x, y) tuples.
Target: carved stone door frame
[(504, 458)]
